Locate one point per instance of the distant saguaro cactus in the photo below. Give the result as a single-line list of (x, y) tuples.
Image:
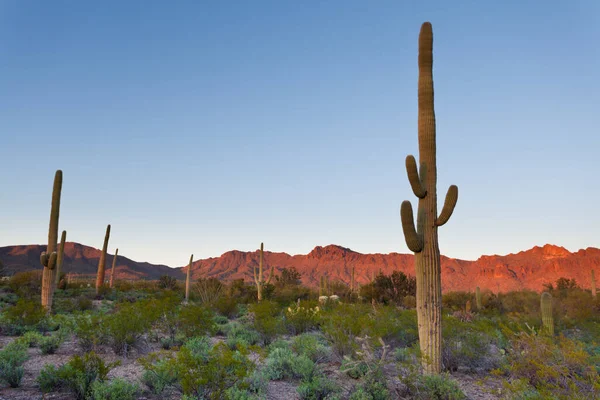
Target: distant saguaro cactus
[(48, 258), (593, 284), (259, 279), (59, 257), (423, 240), (112, 270), (187, 279), (478, 299), (547, 317), (102, 262)]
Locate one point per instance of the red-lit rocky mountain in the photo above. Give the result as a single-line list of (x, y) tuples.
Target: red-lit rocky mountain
[(528, 269)]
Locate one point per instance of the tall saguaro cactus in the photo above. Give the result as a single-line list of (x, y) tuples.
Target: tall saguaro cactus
[(423, 240), (102, 262), (48, 258), (187, 279), (593, 284), (112, 270), (259, 279), (547, 317), (478, 298), (60, 256)]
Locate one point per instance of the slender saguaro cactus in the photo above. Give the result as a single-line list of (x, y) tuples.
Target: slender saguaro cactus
[(547, 318), (187, 280), (259, 278), (423, 240), (478, 298), (59, 257), (48, 258), (102, 262), (593, 284), (112, 270)]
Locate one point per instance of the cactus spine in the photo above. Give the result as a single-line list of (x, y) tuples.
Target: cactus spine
[(102, 262), (112, 270), (48, 258), (423, 240), (259, 278), (547, 318), (59, 257), (187, 279), (478, 298), (593, 285)]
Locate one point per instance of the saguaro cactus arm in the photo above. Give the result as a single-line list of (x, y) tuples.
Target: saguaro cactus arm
[(60, 256), (413, 177), (449, 204), (414, 241), (270, 275)]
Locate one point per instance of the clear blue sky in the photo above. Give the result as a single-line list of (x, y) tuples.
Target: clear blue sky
[(200, 128)]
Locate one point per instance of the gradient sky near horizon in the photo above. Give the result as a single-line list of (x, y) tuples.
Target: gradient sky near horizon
[(201, 127)]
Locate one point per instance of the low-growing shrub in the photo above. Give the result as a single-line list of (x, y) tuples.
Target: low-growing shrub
[(302, 317), (12, 357), (26, 314), (117, 389), (284, 364), (313, 346), (318, 388), (266, 320)]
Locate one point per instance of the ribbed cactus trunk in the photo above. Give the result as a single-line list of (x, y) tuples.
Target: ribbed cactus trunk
[(112, 270), (547, 317), (478, 298), (593, 284), (49, 257), (102, 262), (423, 240), (187, 279), (59, 257), (259, 278)]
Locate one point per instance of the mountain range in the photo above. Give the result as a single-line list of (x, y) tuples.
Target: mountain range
[(528, 269)]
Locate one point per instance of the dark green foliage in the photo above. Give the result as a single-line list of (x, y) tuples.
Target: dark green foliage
[(77, 376), (118, 389), (266, 319), (288, 277), (318, 388), (26, 284), (25, 315), (167, 282), (12, 357)]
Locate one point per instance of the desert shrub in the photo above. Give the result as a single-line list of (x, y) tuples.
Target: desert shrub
[(266, 320), (26, 315), (318, 388), (49, 344), (354, 369), (158, 373), (12, 357), (302, 317), (196, 320), (556, 367), (431, 387), (238, 334), (254, 388), (26, 284), (31, 338), (76, 376), (343, 323), (117, 389), (284, 364), (289, 294), (467, 345), (455, 301), (396, 327), (210, 378), (526, 303), (226, 306), (88, 329), (574, 306), (167, 282), (125, 328), (209, 291), (311, 345), (372, 388)]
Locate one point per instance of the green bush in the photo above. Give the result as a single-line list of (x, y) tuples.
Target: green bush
[(26, 314), (313, 346), (238, 334), (49, 344), (158, 374), (318, 388), (118, 389), (88, 329), (31, 338), (12, 357), (343, 323), (373, 388), (302, 317), (125, 328), (284, 364), (266, 320), (466, 345), (432, 387), (196, 320), (76, 376)]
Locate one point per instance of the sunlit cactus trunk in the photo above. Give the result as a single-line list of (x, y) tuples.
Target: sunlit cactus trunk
[(547, 317), (112, 270), (48, 258), (187, 279), (102, 262), (59, 257), (259, 279), (423, 240)]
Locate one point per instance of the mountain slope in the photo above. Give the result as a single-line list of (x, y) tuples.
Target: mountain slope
[(528, 269)]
